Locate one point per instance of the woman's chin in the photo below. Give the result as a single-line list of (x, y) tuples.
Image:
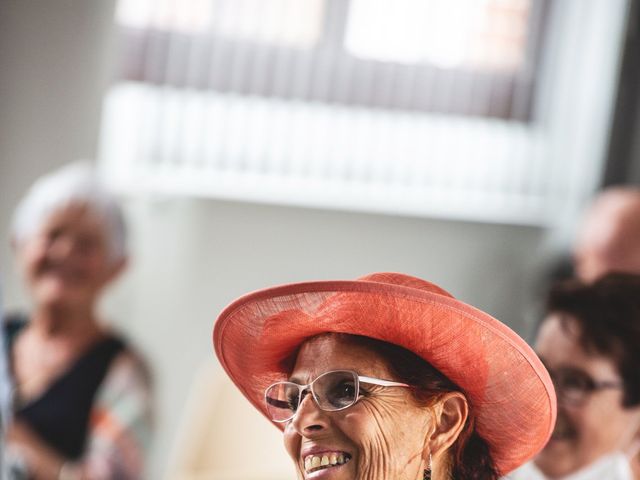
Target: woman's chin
[(54, 296), (556, 460), (335, 472)]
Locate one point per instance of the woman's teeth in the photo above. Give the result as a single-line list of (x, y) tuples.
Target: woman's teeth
[(326, 460)]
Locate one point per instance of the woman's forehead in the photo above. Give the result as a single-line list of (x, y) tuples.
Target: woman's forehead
[(558, 345), (79, 215), (336, 352), (557, 327)]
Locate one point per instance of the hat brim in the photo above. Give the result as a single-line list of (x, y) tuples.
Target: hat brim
[(510, 391)]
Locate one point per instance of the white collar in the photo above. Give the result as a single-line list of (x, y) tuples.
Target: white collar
[(611, 467)]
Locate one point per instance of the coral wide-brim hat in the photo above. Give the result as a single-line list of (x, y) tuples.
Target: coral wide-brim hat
[(510, 391)]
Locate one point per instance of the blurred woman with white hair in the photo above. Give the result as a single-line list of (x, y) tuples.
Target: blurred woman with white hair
[(82, 394)]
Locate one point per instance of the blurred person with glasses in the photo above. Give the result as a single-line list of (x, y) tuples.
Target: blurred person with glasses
[(590, 342), (387, 377)]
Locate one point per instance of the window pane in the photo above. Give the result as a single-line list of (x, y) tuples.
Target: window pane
[(292, 23), (286, 22), (187, 16), (490, 34)]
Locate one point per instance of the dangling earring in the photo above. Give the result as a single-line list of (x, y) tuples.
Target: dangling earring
[(427, 473)]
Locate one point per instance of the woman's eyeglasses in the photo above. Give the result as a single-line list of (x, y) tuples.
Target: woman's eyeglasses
[(574, 386), (332, 391)]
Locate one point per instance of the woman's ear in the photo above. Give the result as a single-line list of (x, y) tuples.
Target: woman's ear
[(450, 415)]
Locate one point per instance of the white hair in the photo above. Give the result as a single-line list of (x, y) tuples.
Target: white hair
[(74, 183)]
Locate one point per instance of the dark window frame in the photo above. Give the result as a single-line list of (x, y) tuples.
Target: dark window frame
[(623, 155)]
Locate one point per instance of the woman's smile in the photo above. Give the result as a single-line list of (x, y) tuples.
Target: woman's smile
[(318, 463)]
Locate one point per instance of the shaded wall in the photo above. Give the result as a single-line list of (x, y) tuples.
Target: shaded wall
[(54, 67)]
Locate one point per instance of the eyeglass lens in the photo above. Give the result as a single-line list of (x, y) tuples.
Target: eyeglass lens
[(575, 386), (332, 391), (574, 382)]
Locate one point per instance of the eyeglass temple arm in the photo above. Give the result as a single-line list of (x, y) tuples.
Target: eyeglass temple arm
[(382, 383), (607, 384)]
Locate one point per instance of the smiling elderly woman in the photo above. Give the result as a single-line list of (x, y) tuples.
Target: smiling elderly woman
[(82, 394), (387, 378)]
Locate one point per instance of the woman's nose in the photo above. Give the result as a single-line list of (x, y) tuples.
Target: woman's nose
[(309, 417), (62, 247)]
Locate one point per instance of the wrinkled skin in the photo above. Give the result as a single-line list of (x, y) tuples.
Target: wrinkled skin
[(385, 432), (583, 433)]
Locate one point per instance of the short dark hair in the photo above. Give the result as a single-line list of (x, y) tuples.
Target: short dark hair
[(470, 455), (608, 315)]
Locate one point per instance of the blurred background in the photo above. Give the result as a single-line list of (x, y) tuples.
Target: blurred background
[(257, 142)]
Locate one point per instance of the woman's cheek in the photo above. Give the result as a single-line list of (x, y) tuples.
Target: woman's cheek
[(292, 443), (374, 444), (390, 440)]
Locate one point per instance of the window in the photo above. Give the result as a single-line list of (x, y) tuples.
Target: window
[(470, 57), (485, 35), (475, 109)]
